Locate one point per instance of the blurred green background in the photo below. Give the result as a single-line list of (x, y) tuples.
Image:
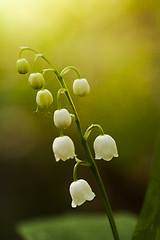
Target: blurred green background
[(116, 47)]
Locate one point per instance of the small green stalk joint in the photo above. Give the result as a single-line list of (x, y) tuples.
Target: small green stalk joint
[(79, 162), (24, 49), (89, 129), (60, 91), (35, 61), (42, 56), (66, 70), (73, 116), (61, 132), (48, 70)]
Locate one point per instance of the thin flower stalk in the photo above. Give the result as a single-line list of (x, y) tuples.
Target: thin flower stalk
[(83, 138)]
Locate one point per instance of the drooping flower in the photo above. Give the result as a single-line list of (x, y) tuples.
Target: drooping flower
[(63, 148), (105, 147), (44, 98), (81, 87), (80, 192), (62, 118), (36, 80), (22, 66)]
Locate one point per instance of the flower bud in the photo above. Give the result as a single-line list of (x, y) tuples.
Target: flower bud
[(81, 87), (44, 98), (63, 148), (22, 66), (62, 118), (105, 147), (80, 192), (36, 80)]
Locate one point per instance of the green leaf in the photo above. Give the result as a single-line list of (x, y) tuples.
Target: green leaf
[(148, 225), (77, 227)]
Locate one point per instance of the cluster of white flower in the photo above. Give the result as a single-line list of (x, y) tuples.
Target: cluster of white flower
[(63, 146)]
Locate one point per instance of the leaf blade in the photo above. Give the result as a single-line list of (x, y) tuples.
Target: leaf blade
[(77, 227), (148, 225)]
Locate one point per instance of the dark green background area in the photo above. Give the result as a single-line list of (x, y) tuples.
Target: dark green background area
[(115, 46)]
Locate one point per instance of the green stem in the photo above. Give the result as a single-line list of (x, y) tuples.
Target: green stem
[(60, 91), (26, 48), (101, 188), (48, 70), (76, 167), (63, 84), (89, 129), (35, 61), (61, 132), (65, 70), (42, 56), (72, 116), (93, 167), (87, 151)]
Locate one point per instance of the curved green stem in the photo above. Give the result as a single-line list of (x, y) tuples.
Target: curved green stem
[(93, 167), (72, 116), (48, 70), (79, 162), (26, 48), (60, 91), (42, 56), (89, 129), (35, 61), (53, 67), (65, 70), (87, 151)]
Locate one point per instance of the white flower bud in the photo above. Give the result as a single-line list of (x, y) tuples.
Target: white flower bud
[(22, 66), (44, 98), (80, 192), (63, 148), (105, 147), (62, 118), (36, 80), (81, 87)]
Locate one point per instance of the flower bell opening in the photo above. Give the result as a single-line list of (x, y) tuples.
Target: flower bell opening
[(44, 98), (62, 118), (63, 148), (80, 192), (22, 66), (36, 80), (105, 147), (81, 87)]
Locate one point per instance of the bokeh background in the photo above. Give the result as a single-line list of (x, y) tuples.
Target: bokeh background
[(116, 46)]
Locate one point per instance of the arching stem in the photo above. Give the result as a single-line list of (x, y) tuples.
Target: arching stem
[(93, 167), (89, 129), (65, 70), (35, 61), (86, 148), (60, 91), (79, 162)]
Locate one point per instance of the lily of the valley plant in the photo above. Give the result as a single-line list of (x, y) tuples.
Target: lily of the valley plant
[(63, 146)]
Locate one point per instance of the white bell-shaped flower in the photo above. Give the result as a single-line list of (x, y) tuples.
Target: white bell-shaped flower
[(22, 66), (63, 148), (80, 192), (36, 80), (105, 147), (62, 118), (81, 87), (44, 98)]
